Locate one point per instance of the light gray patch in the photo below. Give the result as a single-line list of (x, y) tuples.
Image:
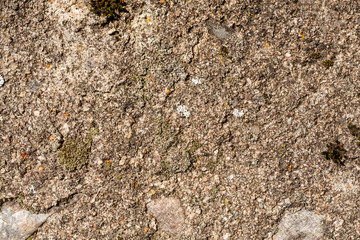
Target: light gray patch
[(303, 224), (17, 223), (169, 213), (219, 31), (34, 86)]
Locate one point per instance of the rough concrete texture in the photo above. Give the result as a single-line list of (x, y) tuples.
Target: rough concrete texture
[(279, 81)]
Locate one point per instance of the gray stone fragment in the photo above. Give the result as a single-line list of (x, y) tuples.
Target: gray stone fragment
[(34, 86), (219, 31), (169, 214), (17, 223), (303, 224)]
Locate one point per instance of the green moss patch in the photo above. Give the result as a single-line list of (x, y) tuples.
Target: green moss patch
[(107, 8), (336, 152), (166, 136), (74, 153), (328, 63), (315, 55), (266, 98)]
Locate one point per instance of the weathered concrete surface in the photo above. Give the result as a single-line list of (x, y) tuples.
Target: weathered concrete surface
[(223, 105)]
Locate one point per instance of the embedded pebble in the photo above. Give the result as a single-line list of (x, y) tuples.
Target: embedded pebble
[(302, 224), (17, 223), (219, 31), (183, 110), (169, 214), (238, 113), (196, 81)]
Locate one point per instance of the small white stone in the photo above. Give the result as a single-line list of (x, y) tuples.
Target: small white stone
[(111, 31), (98, 161), (198, 211), (304, 222), (183, 110), (226, 236), (287, 55), (32, 189), (2, 81), (65, 128), (238, 113), (196, 80), (36, 113), (169, 214)]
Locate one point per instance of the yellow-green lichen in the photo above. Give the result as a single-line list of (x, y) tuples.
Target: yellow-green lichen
[(108, 165), (166, 136), (328, 63), (315, 55), (74, 153), (107, 8), (282, 148)]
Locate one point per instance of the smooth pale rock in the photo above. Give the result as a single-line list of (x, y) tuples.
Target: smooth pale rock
[(303, 224), (169, 213), (17, 223)]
